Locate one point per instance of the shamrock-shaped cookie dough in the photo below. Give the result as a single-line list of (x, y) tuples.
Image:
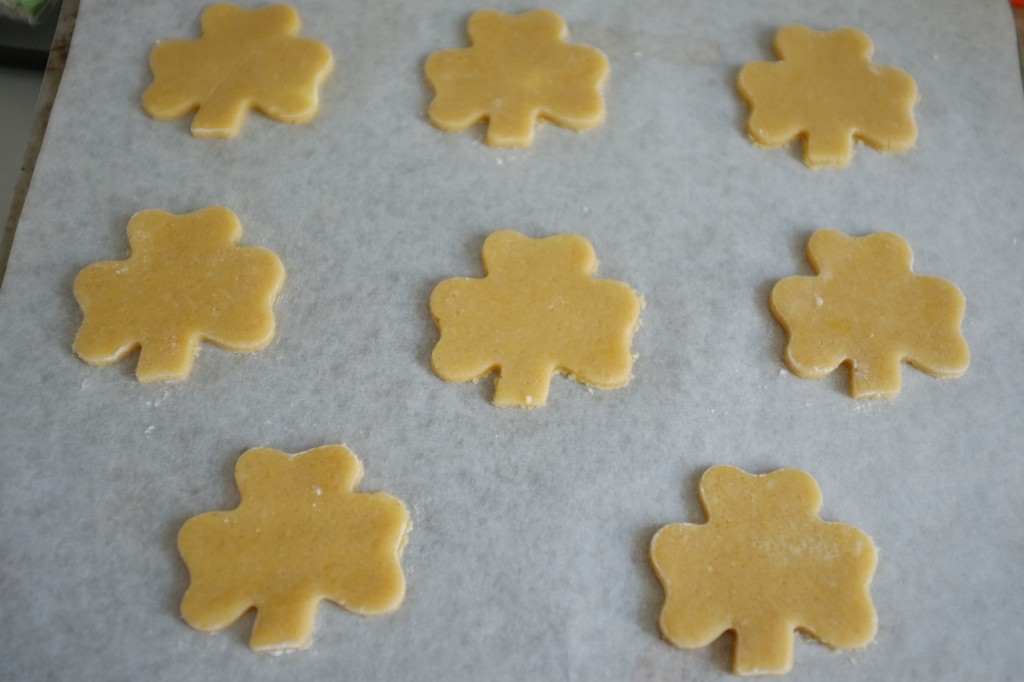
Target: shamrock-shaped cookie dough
[(764, 565), (301, 534), (826, 89), (246, 59), (538, 311), (866, 307), (518, 69), (186, 280)]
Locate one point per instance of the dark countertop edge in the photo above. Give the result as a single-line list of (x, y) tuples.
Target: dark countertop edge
[(47, 93)]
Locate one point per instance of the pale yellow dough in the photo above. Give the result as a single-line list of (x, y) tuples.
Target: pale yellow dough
[(186, 280), (246, 59), (826, 89), (301, 534), (764, 565), (538, 311), (866, 307), (518, 69)]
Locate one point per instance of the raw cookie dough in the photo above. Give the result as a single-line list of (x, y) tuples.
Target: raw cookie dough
[(186, 280), (245, 59), (538, 311), (763, 565), (826, 89), (300, 534), (518, 69), (866, 307)]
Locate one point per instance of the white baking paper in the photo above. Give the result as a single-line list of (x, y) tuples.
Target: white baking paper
[(528, 556)]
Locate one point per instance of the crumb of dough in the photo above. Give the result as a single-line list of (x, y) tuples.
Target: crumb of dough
[(825, 89), (246, 59), (762, 566), (186, 280), (538, 311), (519, 69), (300, 535), (866, 307)]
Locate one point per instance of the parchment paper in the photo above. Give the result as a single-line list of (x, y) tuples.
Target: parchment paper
[(528, 556)]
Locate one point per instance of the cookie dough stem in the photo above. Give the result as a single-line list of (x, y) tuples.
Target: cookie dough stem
[(283, 624), (166, 359), (220, 115), (877, 376), (510, 124), (830, 146), (763, 649), (522, 386)]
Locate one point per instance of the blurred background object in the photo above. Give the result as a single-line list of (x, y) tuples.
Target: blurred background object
[(26, 32), (28, 11)]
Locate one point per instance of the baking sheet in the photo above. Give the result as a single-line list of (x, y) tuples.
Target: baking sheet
[(527, 559)]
